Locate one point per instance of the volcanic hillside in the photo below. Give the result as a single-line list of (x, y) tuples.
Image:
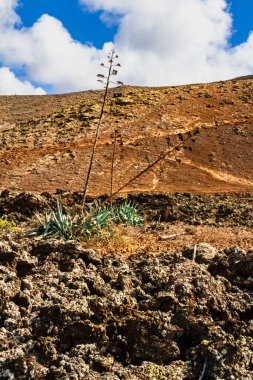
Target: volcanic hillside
[(46, 140)]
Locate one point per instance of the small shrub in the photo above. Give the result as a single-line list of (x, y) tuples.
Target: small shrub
[(6, 226), (113, 237)]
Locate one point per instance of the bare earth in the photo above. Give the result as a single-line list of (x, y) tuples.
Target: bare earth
[(46, 141)]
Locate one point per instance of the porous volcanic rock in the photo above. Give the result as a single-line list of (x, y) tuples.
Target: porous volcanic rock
[(73, 313)]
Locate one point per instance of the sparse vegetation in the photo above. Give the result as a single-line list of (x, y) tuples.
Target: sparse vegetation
[(96, 218), (55, 223), (128, 213), (6, 226), (114, 237)]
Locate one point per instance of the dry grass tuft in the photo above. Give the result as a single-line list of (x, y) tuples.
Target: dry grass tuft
[(120, 238)]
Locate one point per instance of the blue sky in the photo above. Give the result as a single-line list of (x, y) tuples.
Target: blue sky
[(88, 27), (83, 25), (56, 46), (242, 11)]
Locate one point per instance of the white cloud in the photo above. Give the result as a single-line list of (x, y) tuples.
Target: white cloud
[(160, 42), (175, 42), (10, 85), (49, 55), (8, 16)]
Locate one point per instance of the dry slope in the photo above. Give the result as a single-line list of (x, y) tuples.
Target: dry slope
[(46, 141)]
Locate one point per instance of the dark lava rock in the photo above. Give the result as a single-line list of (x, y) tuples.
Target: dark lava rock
[(82, 332), (70, 313), (201, 253), (6, 252)]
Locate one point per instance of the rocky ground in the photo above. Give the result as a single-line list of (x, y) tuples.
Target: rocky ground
[(71, 313), (180, 312), (169, 300)]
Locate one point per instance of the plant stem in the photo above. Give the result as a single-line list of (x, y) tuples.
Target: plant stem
[(112, 165), (97, 131)]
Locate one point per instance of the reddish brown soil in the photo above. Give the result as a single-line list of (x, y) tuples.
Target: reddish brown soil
[(156, 240), (46, 141)]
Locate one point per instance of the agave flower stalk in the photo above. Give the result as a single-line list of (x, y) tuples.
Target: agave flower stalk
[(112, 164), (106, 81)]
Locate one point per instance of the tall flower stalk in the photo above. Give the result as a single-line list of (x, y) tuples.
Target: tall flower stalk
[(106, 80), (112, 164)]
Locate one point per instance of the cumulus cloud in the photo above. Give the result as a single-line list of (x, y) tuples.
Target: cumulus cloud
[(50, 56), (160, 42), (175, 42), (8, 16), (10, 84)]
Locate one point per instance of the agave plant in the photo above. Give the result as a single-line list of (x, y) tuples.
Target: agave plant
[(94, 219), (55, 223), (66, 225), (128, 213)]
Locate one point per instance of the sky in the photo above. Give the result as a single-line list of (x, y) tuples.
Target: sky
[(56, 46)]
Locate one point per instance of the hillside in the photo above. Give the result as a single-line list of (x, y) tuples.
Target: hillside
[(169, 297), (46, 140)]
